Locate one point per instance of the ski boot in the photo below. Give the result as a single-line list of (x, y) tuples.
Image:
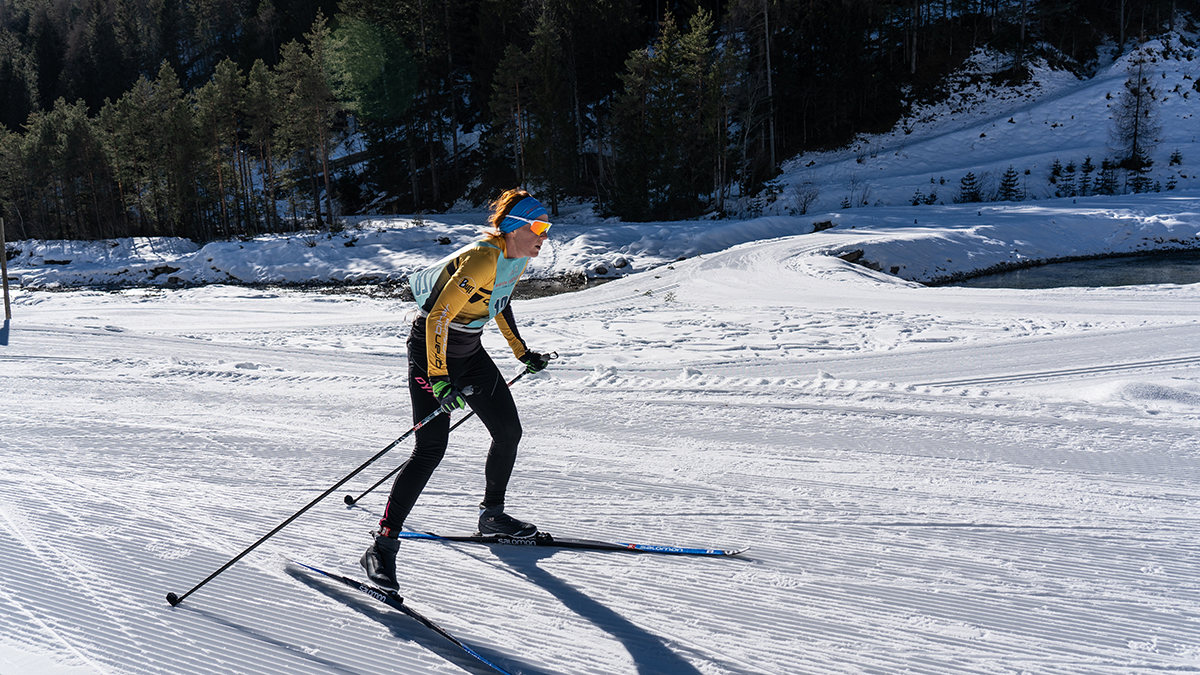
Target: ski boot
[(494, 520), (380, 561)]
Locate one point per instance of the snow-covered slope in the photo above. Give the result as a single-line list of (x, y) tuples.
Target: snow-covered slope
[(985, 128), (934, 480)]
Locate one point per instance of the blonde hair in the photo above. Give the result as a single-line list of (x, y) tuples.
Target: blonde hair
[(500, 208)]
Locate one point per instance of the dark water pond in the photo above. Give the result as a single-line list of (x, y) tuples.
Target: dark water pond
[(1182, 267)]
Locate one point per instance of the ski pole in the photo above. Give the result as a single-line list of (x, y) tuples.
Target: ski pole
[(351, 501), (176, 599)]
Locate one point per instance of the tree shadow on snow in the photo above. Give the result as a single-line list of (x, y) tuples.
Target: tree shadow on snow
[(650, 652), (406, 628)]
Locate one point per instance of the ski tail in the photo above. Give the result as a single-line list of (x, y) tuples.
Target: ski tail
[(395, 601)]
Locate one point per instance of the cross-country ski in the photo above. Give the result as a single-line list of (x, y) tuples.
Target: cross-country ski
[(546, 540), (395, 601)]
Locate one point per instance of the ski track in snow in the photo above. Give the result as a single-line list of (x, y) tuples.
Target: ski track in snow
[(949, 505)]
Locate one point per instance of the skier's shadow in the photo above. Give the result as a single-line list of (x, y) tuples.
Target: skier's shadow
[(650, 653)]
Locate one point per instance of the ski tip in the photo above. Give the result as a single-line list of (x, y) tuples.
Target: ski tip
[(681, 550)]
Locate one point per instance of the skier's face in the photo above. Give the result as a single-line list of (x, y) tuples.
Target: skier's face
[(523, 242)]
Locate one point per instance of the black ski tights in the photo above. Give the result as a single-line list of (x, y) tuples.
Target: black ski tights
[(492, 403)]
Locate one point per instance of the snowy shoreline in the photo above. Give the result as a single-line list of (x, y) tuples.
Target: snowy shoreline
[(930, 245), (1000, 268)]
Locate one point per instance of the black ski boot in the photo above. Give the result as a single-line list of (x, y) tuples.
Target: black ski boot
[(495, 521), (380, 561)]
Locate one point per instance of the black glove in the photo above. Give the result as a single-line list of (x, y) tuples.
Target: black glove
[(535, 362), (449, 397)]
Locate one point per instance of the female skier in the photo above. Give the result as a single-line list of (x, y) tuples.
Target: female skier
[(448, 368)]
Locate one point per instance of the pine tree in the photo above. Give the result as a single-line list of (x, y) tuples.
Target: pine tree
[(1066, 183), (668, 131), (80, 168), (52, 144), (176, 121), (307, 124), (510, 108), (968, 189), (116, 137), (1010, 186), (261, 122), (218, 107), (320, 100), (1107, 183), (39, 184), (634, 141), (1135, 116), (424, 147), (11, 174), (1139, 181), (552, 152), (1085, 181)]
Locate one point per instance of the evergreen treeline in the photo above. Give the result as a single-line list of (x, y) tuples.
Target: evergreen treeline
[(215, 118)]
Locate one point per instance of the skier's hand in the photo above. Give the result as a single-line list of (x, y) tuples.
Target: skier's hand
[(448, 396), (535, 362)]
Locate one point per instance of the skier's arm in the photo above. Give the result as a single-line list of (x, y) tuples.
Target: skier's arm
[(508, 328)]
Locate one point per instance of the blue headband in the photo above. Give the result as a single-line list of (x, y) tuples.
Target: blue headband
[(529, 208)]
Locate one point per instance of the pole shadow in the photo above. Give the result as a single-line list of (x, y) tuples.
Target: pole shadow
[(4, 334), (331, 666)]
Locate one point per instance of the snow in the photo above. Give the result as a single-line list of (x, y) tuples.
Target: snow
[(932, 480)]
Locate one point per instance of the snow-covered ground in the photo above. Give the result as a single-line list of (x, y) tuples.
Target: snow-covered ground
[(941, 480), (932, 480)]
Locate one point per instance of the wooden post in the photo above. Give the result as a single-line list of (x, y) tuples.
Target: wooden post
[(4, 272)]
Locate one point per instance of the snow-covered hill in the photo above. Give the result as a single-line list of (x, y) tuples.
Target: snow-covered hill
[(985, 128)]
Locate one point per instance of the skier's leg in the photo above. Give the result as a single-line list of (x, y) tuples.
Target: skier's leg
[(493, 403)]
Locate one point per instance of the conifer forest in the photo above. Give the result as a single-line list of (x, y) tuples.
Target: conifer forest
[(211, 119)]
